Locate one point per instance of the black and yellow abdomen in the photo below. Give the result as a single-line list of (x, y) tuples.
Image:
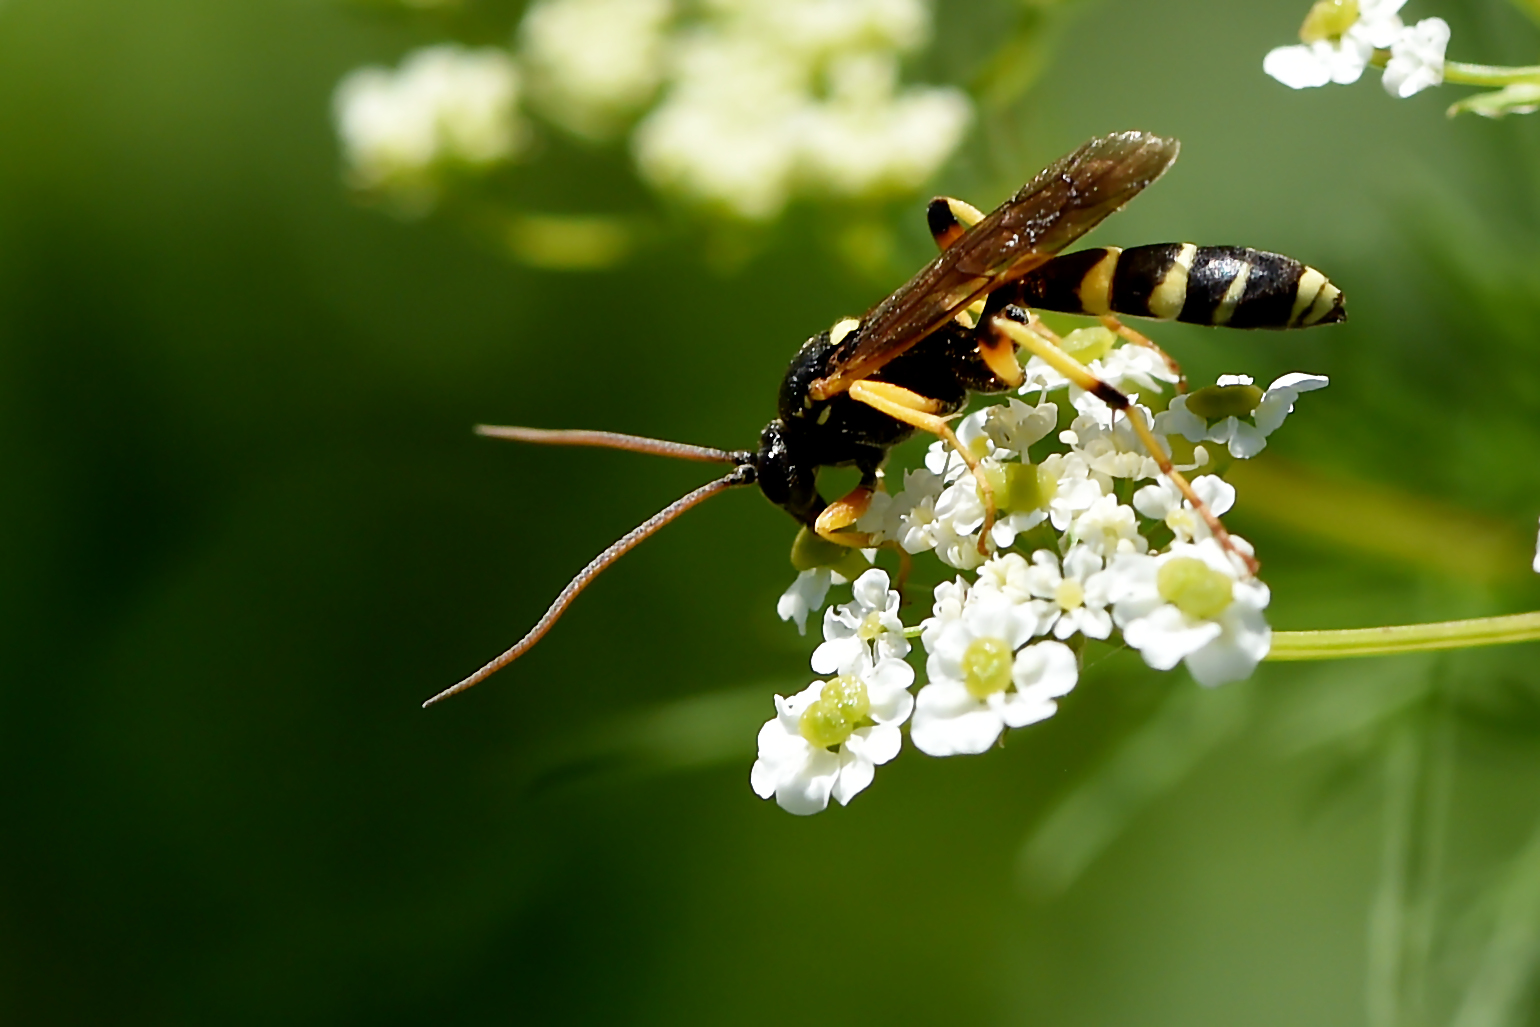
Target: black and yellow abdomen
[(1208, 285)]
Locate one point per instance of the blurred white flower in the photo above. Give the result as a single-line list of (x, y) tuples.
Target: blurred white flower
[(1417, 58), (766, 99), (445, 106), (1193, 604), (828, 738), (592, 64), (980, 684), (868, 622), (1235, 412), (1537, 555)]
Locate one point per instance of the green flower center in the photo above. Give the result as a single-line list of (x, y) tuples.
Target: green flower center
[(1088, 344), (1328, 19), (831, 718), (1194, 587), (871, 627), (986, 666), (1070, 595), (1021, 487), (809, 551), (1213, 402)]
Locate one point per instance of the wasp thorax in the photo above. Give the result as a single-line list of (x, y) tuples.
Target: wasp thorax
[(1214, 402), (834, 716), (1194, 587), (1328, 19), (986, 667)]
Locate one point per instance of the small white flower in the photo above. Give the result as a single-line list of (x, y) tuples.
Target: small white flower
[(1005, 575), (1244, 437), (445, 105), (1537, 555), (1113, 450), (1192, 604), (828, 738), (1107, 528), (941, 459), (1343, 56), (593, 63), (1075, 492), (1163, 501), (869, 620), (959, 513), (980, 684), (805, 595), (951, 597), (1417, 58), (1075, 594), (1014, 425), (1130, 369), (909, 517)]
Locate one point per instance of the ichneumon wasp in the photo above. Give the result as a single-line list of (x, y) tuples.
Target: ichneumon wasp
[(856, 390)]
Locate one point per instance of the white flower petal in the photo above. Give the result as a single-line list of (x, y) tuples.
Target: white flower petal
[(948, 722), (1298, 67)]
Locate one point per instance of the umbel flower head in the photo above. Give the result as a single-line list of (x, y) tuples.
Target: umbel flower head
[(1092, 545)]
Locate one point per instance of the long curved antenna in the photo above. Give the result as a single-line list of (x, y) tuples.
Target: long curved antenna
[(610, 440), (741, 475)]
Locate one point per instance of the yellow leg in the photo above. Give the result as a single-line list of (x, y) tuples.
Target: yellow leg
[(1077, 373), (841, 514), (921, 412), (1140, 339)]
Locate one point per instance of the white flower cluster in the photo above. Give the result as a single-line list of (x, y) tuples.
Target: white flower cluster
[(446, 106), (1339, 40), (1091, 542), (733, 105), (769, 98)]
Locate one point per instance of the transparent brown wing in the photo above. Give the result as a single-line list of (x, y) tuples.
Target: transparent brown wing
[(1066, 200)]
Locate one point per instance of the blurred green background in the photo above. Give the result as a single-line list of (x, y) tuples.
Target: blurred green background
[(246, 530)]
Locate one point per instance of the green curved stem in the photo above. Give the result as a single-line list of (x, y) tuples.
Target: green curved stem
[(1405, 638), (1488, 74)]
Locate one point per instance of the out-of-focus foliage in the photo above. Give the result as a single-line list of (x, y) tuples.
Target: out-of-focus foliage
[(247, 530)]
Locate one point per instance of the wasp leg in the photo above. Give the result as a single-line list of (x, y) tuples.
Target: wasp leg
[(1077, 373), (842, 513), (925, 414), (1140, 339), (949, 218)]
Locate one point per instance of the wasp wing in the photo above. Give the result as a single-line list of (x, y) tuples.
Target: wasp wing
[(1067, 199)]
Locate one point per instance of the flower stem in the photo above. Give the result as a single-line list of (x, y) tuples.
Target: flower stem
[(1488, 74), (1405, 638)]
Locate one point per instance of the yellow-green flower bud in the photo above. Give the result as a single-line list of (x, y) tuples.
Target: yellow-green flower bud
[(1328, 19), (1213, 402), (835, 714), (1088, 344), (986, 666), (810, 551), (1194, 587), (1021, 487)]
